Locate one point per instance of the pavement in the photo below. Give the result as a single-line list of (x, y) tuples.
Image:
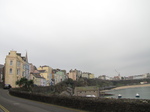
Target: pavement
[(1, 110)]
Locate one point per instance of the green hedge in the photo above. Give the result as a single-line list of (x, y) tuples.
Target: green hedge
[(89, 104)]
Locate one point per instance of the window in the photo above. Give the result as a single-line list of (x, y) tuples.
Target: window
[(23, 73), (11, 62), (24, 66), (18, 71), (27, 66), (10, 70), (18, 63)]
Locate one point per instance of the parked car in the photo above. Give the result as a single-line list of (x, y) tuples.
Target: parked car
[(7, 86)]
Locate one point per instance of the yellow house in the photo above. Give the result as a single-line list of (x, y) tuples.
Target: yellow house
[(91, 76), (16, 67), (46, 72), (72, 74)]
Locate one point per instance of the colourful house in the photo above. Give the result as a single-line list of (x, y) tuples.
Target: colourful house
[(59, 75), (46, 72), (16, 67)]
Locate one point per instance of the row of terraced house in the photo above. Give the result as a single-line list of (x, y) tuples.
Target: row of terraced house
[(17, 66)]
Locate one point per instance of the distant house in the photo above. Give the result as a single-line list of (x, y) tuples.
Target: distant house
[(102, 77), (89, 90), (139, 76), (117, 77), (148, 75), (87, 75), (32, 68), (74, 74), (128, 78), (91, 76), (38, 80), (58, 75), (46, 72), (142, 76)]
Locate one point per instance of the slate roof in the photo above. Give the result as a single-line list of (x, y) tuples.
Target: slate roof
[(41, 71), (38, 76)]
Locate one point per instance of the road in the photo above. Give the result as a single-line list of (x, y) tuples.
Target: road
[(14, 104)]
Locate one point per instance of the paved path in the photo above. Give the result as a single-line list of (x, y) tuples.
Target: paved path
[(1, 110), (15, 104)]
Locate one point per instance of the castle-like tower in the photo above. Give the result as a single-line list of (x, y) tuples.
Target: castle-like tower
[(16, 67)]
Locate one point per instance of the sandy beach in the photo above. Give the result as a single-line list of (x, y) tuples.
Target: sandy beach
[(125, 87), (131, 86)]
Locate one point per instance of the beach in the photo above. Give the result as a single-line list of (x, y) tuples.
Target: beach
[(131, 86), (125, 87), (130, 91)]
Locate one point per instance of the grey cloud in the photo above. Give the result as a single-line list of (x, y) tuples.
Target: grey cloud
[(94, 36)]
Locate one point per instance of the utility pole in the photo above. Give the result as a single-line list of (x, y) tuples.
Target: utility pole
[(117, 72)]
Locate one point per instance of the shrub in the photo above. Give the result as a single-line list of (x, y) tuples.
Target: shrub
[(89, 104)]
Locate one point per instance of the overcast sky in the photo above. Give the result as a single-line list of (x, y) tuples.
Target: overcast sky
[(96, 36)]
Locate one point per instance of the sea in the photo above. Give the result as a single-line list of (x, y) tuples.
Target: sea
[(144, 93)]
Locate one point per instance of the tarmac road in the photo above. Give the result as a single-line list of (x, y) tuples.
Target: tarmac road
[(10, 103)]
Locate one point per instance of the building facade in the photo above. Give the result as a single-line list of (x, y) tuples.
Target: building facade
[(74, 74), (89, 90), (32, 68), (38, 80), (140, 76), (85, 75), (16, 67), (46, 72), (59, 75), (91, 76)]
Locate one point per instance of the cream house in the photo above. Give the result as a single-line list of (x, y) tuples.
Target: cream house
[(87, 75), (91, 76), (46, 72), (74, 74), (38, 80), (16, 67)]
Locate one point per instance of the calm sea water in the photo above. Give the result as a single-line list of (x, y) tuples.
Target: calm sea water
[(144, 93)]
